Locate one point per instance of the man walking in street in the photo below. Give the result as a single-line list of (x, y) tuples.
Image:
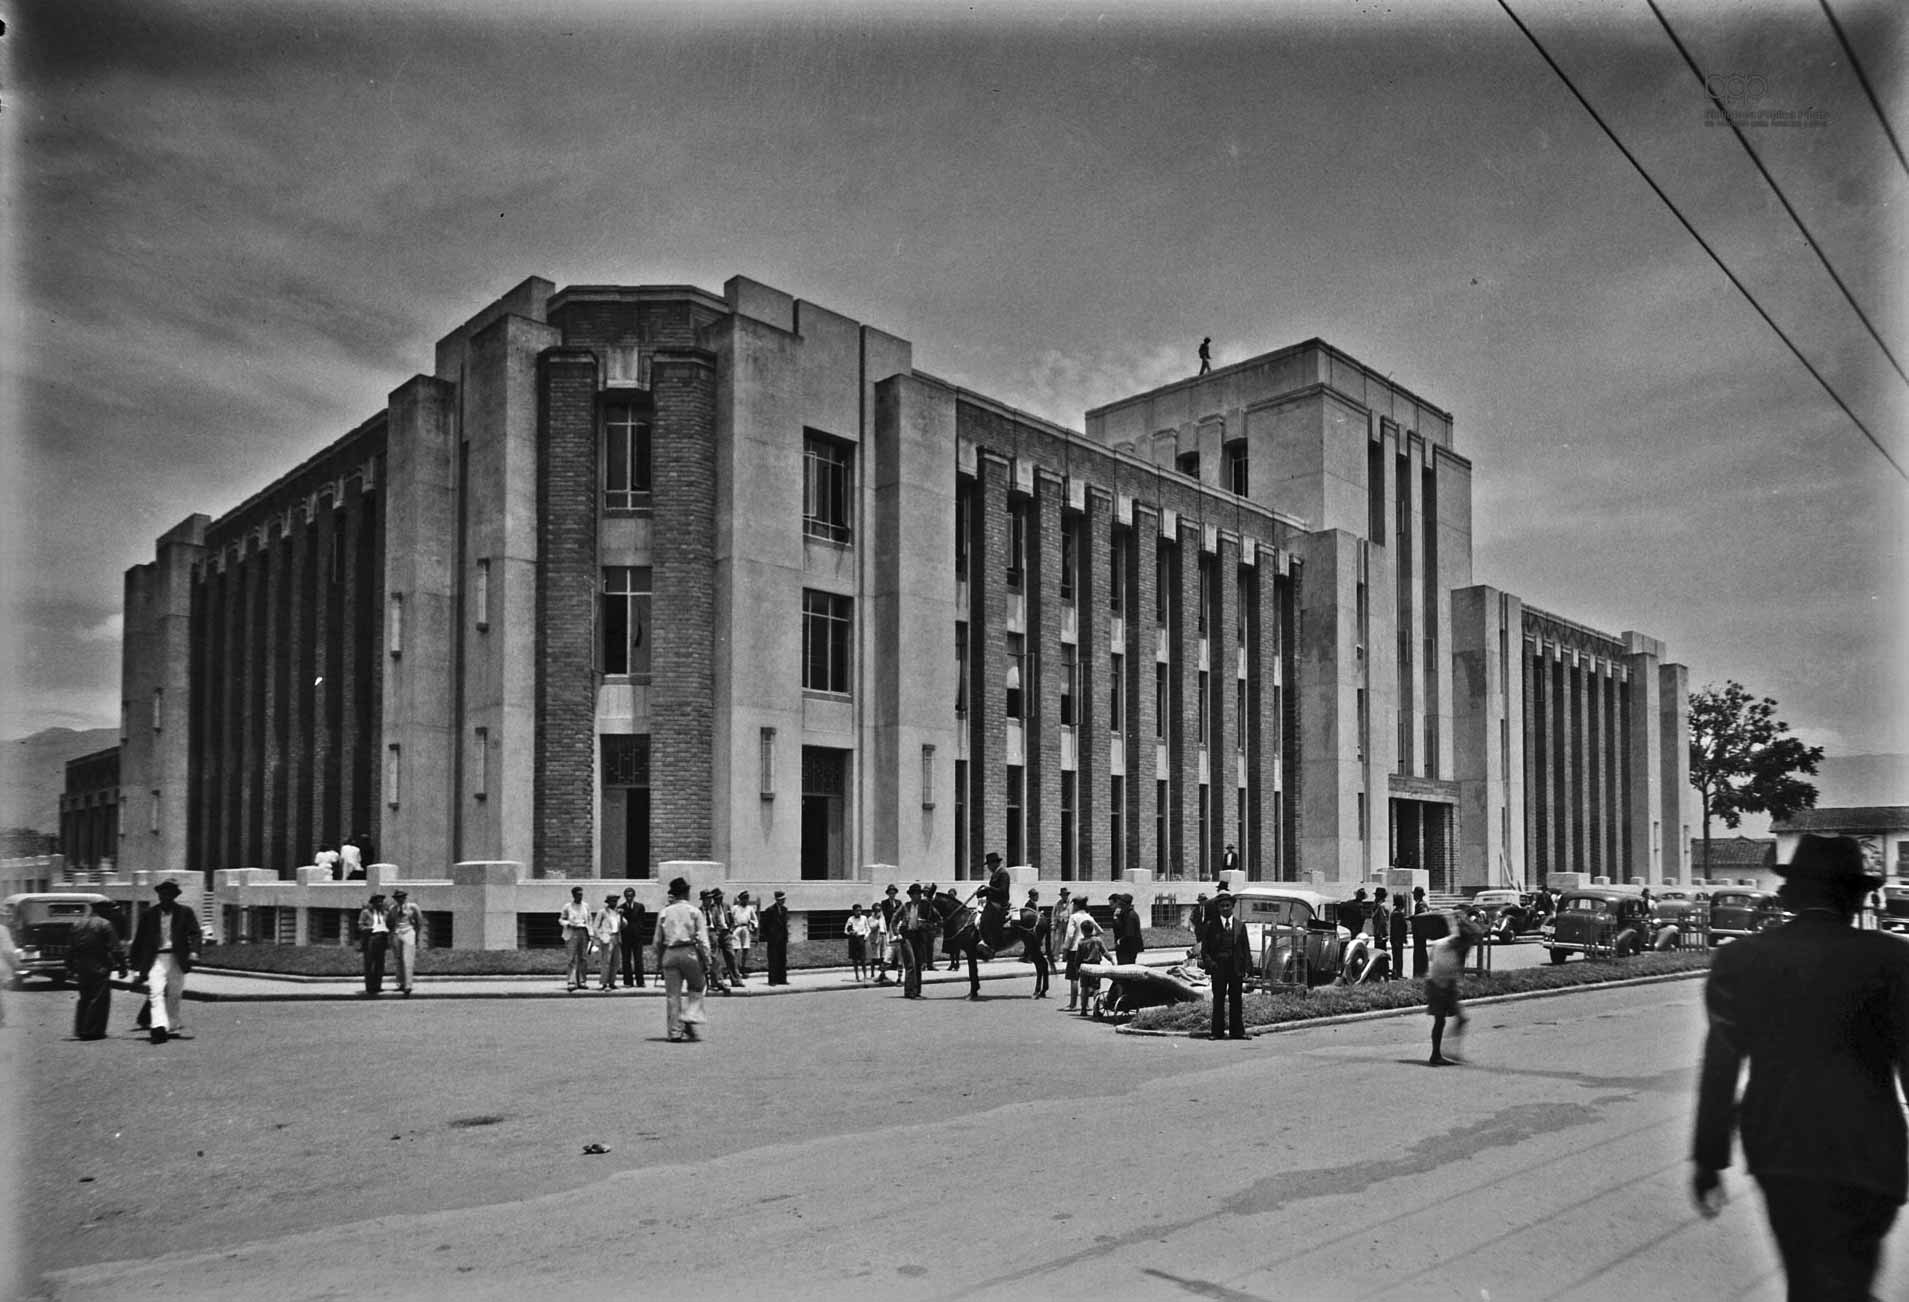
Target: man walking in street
[(1226, 954), (682, 953), (165, 947), (775, 937), (574, 919), (1820, 1012), (915, 939), (94, 952), (374, 936), (406, 923)]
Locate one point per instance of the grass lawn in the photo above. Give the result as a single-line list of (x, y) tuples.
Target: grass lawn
[(1274, 1007)]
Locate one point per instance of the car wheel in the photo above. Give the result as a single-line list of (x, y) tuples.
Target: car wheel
[(1626, 945), (1557, 956)]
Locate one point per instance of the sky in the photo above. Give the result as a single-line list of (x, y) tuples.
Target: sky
[(230, 229)]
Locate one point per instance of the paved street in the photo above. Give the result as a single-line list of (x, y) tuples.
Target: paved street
[(855, 1145)]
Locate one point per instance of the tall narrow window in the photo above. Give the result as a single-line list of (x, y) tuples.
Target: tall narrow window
[(1117, 575), (1162, 844), (1162, 587), (481, 594), (1236, 477), (961, 668), (1069, 560), (1239, 715), (927, 777), (1116, 826), (625, 620), (827, 620), (158, 709), (766, 763), (1068, 670), (1206, 803), (480, 763), (1067, 824), (391, 767), (153, 811), (961, 817), (394, 630), (1188, 463), (1205, 708), (1017, 543), (964, 524), (1015, 777), (828, 481), (626, 458), (1161, 696), (1116, 694), (1016, 646), (1242, 589)]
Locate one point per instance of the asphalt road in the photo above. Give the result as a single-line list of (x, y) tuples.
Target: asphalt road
[(850, 1145)]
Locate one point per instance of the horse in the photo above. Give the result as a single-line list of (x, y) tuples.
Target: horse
[(979, 933)]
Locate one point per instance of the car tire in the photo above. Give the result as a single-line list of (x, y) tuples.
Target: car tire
[(1558, 956), (1626, 945)]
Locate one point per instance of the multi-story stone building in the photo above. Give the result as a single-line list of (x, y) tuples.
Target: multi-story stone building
[(649, 574), (89, 810)]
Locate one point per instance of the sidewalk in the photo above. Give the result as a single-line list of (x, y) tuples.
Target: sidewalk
[(221, 985)]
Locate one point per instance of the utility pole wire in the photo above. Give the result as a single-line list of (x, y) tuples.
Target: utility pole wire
[(1868, 90), (1705, 244), (1778, 191)]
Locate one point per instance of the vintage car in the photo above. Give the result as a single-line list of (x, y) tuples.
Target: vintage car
[(1598, 921), (1740, 912), (1895, 907), (1504, 913), (1294, 932), (1680, 906), (36, 926)]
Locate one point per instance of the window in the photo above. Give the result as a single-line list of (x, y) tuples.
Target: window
[(1205, 707), (927, 777), (337, 547), (1117, 693), (625, 620), (1160, 700), (961, 817), (1016, 655), (1236, 478), (766, 763), (1188, 463), (827, 621), (1375, 489), (964, 526), (1360, 724), (1069, 667), (153, 821), (481, 594), (1116, 813), (1206, 800), (158, 709), (1069, 546), (1067, 824), (626, 458), (1162, 848), (1239, 715), (480, 763), (1242, 589), (395, 625), (1206, 596), (391, 758), (961, 668), (1162, 586), (1117, 575), (1017, 543), (1015, 778), (828, 482)]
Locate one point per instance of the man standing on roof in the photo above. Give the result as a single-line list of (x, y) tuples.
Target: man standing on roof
[(1206, 354)]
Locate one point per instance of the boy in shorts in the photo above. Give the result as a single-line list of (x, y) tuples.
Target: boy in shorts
[(1441, 988)]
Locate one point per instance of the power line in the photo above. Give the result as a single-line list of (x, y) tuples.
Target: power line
[(1778, 191), (1705, 244), (1868, 90)]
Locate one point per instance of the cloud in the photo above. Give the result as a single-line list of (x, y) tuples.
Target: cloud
[(110, 629)]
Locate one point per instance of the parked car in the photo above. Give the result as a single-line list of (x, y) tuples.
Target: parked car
[(1505, 914), (1679, 905), (35, 927), (1737, 913), (1895, 907), (1600, 921), (1294, 932)]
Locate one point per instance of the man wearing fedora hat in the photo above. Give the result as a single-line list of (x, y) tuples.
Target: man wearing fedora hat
[(374, 941), (165, 946), (775, 935), (406, 924), (1227, 954), (1820, 1011)]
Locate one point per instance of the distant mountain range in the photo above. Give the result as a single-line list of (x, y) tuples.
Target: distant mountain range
[(33, 773)]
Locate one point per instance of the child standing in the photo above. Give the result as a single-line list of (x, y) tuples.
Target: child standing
[(1441, 987), (857, 929)]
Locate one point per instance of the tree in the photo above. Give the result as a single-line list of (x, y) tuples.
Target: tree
[(1743, 759)]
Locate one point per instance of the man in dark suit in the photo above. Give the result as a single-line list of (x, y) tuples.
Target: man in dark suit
[(775, 934), (1226, 954), (630, 929), (165, 946), (1821, 1013), (1127, 942), (94, 952)]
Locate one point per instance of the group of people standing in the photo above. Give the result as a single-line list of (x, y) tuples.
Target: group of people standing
[(394, 931), (165, 945), (346, 861)]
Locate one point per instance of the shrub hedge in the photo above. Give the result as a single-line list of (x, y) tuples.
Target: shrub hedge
[(1269, 1008)]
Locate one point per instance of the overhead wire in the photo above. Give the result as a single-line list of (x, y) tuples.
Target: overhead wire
[(1856, 66), (1776, 189), (1702, 242)]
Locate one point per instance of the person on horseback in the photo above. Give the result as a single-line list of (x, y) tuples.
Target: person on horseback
[(961, 936), (998, 882)]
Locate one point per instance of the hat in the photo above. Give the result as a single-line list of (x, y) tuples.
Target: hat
[(608, 899), (167, 887), (377, 895), (892, 889), (1223, 898), (715, 890), (1830, 859), (679, 887), (399, 894), (741, 896), (779, 895), (914, 888), (993, 857)]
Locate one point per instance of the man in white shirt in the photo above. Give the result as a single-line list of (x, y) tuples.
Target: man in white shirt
[(575, 919), (374, 930), (349, 859), (406, 922), (607, 933), (682, 950)]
